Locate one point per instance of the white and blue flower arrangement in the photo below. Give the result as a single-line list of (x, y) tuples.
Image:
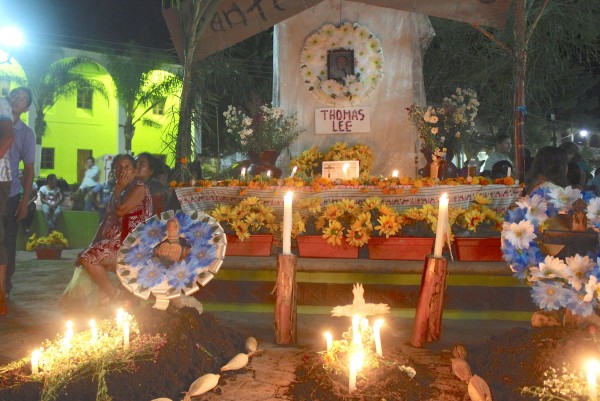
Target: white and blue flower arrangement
[(143, 273), (572, 283)]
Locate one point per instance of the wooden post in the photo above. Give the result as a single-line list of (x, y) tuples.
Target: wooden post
[(285, 300), (428, 316)]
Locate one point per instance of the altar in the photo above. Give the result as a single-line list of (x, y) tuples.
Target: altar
[(204, 199)]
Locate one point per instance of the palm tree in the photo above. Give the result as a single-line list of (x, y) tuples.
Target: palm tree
[(51, 79), (137, 88)]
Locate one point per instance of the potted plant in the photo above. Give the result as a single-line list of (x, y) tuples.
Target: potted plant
[(477, 231), (49, 246), (263, 135), (249, 227)]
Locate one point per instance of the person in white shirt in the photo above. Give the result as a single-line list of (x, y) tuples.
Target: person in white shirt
[(501, 153), (51, 199), (90, 181)]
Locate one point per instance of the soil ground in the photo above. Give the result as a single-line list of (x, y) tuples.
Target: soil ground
[(34, 316)]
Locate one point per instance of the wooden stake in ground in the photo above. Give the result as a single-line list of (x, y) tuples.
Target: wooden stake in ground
[(285, 300), (428, 316)]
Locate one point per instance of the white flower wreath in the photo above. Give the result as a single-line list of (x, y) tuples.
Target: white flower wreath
[(368, 64)]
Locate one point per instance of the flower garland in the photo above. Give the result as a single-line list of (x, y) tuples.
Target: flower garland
[(572, 283), (144, 273), (368, 68)]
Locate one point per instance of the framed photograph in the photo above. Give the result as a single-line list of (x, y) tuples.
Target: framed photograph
[(344, 169), (340, 63)]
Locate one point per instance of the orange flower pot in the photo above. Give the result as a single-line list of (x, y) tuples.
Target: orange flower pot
[(400, 248), (315, 246), (478, 249), (256, 245), (48, 253)]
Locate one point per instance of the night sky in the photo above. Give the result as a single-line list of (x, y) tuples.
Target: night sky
[(70, 22)]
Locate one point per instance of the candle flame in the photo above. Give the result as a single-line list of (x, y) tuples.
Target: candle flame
[(378, 323), (395, 173)]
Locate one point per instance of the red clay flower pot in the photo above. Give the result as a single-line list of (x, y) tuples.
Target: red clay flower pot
[(256, 245), (478, 249), (315, 246), (400, 248), (48, 253)]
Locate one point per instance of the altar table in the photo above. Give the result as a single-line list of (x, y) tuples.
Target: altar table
[(205, 199)]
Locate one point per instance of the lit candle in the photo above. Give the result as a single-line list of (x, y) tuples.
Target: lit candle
[(287, 223), (243, 173), (294, 171), (329, 340), (442, 223), (126, 334), (364, 324), (269, 173), (355, 334), (395, 174), (68, 334), (592, 371), (508, 172), (345, 169), (376, 326), (355, 362), (120, 317), (35, 361), (94, 330)]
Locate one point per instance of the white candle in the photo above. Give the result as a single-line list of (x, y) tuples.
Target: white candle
[(68, 334), (395, 174), (35, 360), (345, 169), (126, 334), (329, 340), (269, 173), (243, 173), (592, 371), (442, 223), (287, 223), (93, 330), (376, 326), (355, 362), (355, 334), (508, 172), (120, 317), (294, 171)]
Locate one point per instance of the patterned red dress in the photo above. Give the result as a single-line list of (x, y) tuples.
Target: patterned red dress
[(114, 229)]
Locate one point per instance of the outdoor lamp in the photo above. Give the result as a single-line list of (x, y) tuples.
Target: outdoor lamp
[(10, 37)]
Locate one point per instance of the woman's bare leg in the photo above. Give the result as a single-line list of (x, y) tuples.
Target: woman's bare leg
[(99, 274)]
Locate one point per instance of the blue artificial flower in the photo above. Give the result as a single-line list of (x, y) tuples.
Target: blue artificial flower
[(515, 215), (541, 191), (180, 275), (151, 275), (588, 196), (184, 220), (202, 255), (152, 232), (576, 303), (137, 255), (549, 295), (198, 232)]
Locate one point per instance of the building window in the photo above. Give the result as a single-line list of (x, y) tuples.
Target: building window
[(84, 98), (47, 158), (159, 109), (4, 87)]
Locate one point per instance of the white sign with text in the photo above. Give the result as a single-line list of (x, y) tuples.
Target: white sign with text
[(343, 120), (344, 169)]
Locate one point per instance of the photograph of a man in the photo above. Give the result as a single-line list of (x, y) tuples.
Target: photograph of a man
[(340, 63)]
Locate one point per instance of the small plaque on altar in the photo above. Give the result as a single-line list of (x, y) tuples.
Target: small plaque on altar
[(343, 120), (343, 169)]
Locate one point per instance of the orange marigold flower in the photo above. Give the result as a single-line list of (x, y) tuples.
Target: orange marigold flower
[(198, 189), (173, 184), (183, 160)]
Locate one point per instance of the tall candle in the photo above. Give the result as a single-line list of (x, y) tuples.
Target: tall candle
[(120, 317), (35, 360), (329, 340), (508, 172), (94, 330), (243, 173), (269, 173), (395, 174), (126, 334), (287, 223), (376, 326), (294, 171), (592, 371), (355, 363), (442, 224), (68, 334), (345, 169)]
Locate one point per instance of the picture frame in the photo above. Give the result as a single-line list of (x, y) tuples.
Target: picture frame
[(342, 169), (340, 63)]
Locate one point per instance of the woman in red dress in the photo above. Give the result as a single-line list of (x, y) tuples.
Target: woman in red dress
[(130, 205)]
